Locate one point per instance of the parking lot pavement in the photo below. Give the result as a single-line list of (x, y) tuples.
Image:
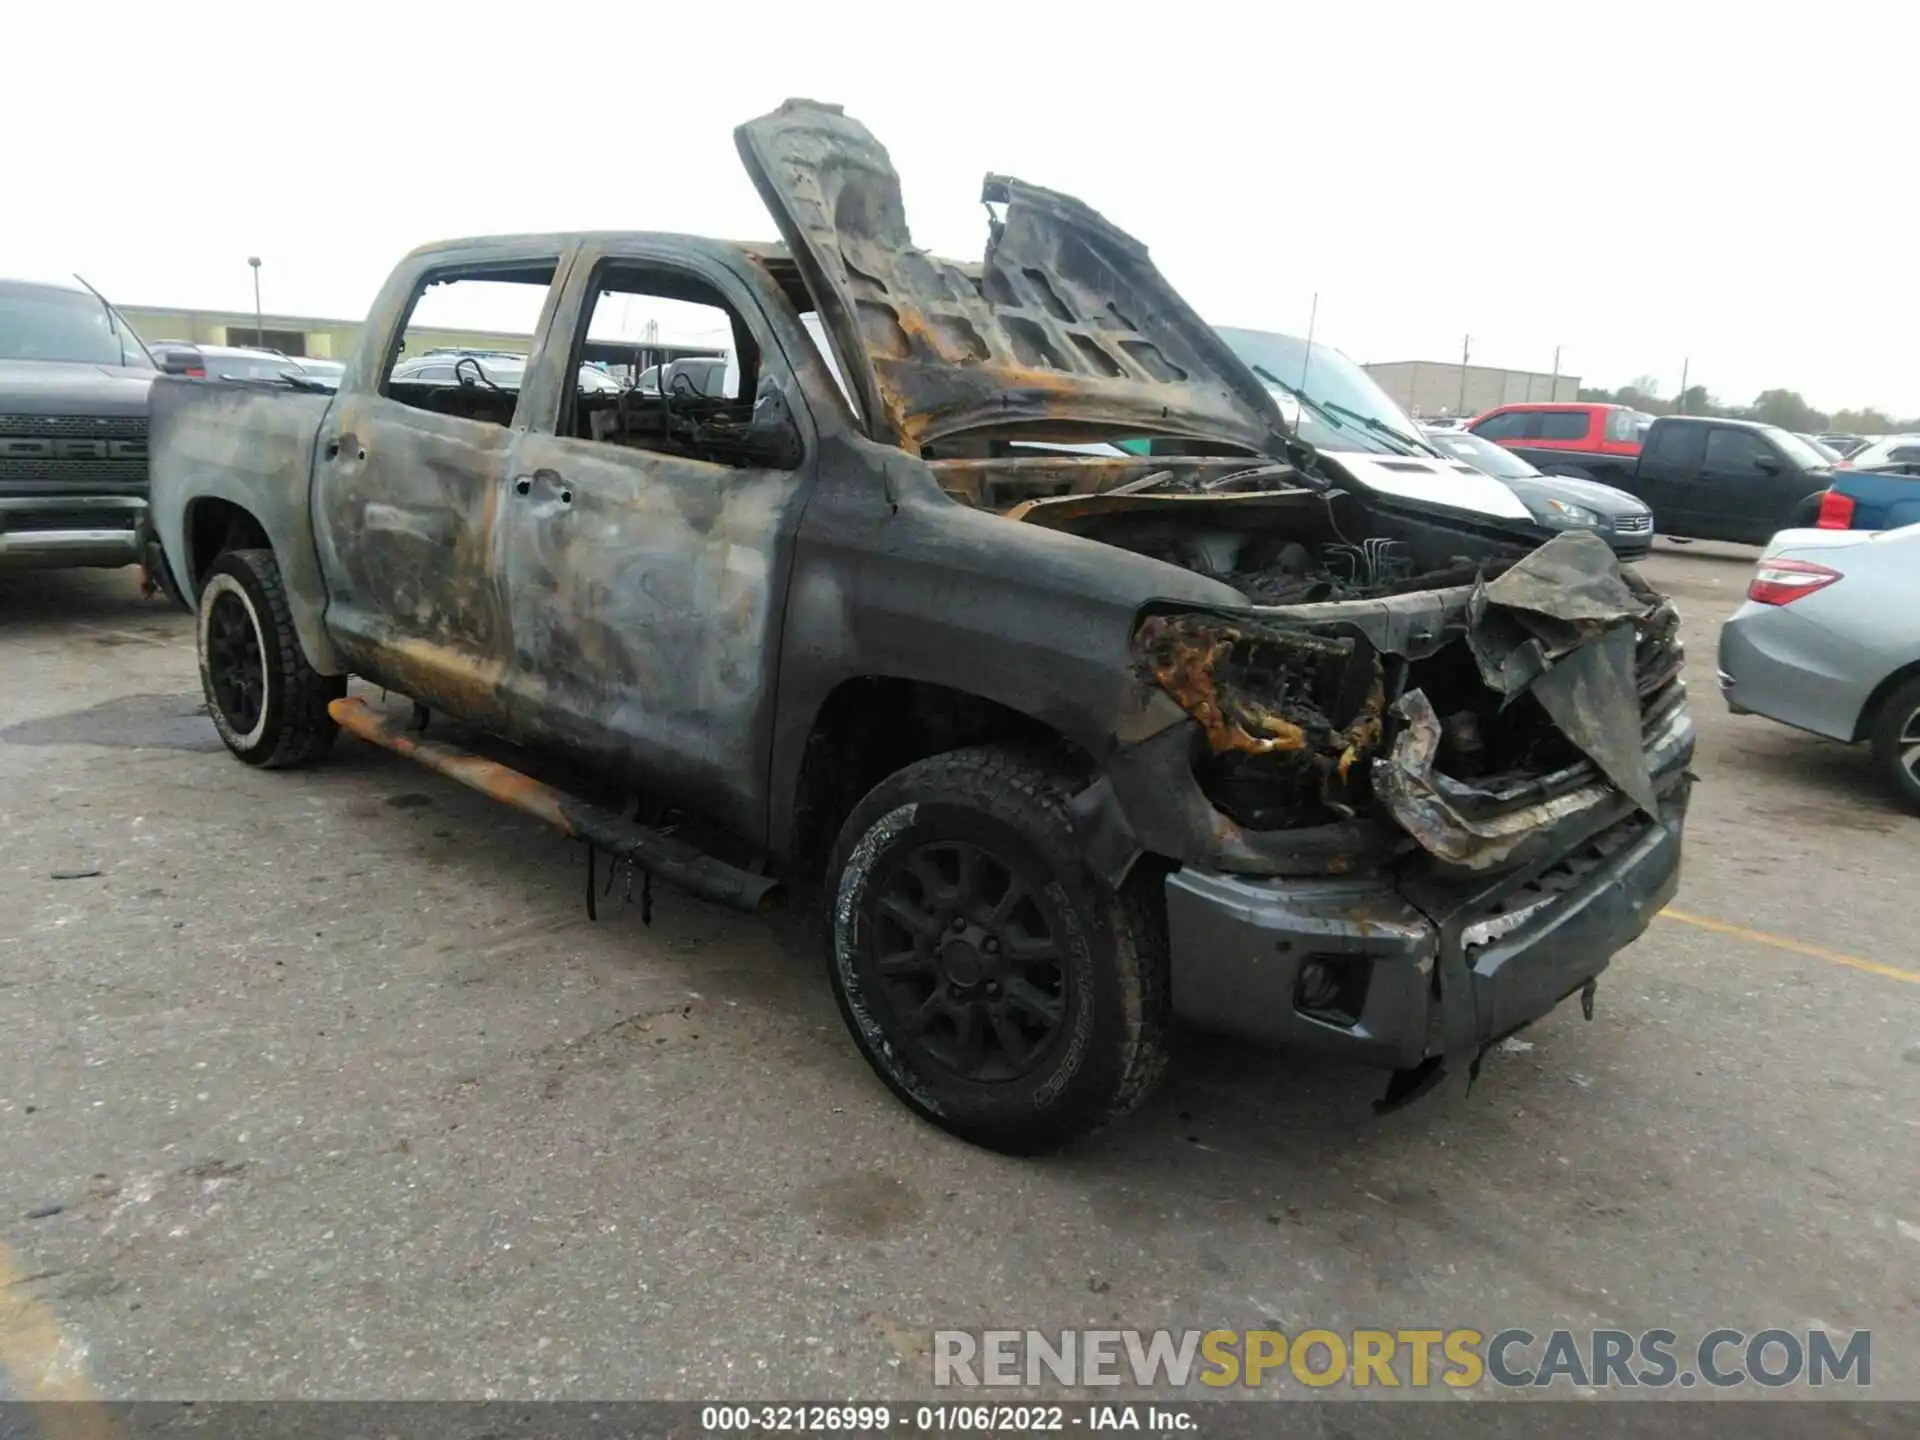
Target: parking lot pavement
[(322, 1084)]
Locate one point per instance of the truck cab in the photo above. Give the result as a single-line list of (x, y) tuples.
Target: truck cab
[(1544, 433), (1733, 480)]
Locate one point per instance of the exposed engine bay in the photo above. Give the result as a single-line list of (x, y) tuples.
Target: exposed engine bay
[(1473, 709)]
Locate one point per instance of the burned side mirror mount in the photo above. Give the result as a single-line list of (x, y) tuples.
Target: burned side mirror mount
[(773, 436)]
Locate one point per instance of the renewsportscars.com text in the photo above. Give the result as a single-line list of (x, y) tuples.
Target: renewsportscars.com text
[(1721, 1359)]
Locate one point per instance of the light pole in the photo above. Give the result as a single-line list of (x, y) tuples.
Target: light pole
[(259, 330)]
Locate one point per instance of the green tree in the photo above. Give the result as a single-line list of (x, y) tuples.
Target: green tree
[(1643, 393), (1697, 400), (1787, 409), (1865, 422)]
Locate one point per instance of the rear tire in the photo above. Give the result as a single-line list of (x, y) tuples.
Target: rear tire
[(267, 702), (1896, 743), (998, 987)]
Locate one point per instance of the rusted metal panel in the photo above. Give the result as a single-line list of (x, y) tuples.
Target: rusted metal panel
[(672, 860), (252, 447), (407, 506), (1067, 328), (642, 588)]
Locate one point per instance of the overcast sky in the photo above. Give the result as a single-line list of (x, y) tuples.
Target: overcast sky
[(1638, 185)]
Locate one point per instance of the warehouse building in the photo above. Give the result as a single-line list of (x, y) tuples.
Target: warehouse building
[(1429, 389), (293, 334)]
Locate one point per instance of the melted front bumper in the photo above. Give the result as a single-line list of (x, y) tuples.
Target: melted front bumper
[(1419, 969)]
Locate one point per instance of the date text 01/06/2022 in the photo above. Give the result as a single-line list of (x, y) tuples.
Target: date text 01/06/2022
[(854, 1419)]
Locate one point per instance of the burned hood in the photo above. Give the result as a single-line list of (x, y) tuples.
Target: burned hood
[(1066, 331)]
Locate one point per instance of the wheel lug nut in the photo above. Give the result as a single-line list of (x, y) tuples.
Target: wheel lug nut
[(959, 922), (990, 945)]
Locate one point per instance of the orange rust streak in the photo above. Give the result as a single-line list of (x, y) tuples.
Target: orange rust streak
[(489, 777)]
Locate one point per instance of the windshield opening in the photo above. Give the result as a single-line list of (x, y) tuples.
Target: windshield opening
[(1799, 451), (1344, 409), (65, 325)]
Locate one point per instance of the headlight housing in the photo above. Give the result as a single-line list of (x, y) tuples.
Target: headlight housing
[(1563, 512)]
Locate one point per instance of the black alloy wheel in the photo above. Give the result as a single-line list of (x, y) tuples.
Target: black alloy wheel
[(236, 668), (967, 960), (998, 987)]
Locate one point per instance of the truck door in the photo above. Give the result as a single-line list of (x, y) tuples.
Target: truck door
[(409, 477), (647, 535), (1665, 475), (1743, 485)]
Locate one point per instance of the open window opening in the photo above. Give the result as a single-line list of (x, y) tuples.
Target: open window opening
[(437, 364), (685, 371)]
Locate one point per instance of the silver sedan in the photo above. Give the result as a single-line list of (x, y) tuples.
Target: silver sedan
[(1829, 641)]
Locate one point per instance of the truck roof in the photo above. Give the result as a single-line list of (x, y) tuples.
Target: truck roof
[(1719, 420)]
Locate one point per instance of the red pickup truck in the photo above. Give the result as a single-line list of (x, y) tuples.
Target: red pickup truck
[(1557, 426)]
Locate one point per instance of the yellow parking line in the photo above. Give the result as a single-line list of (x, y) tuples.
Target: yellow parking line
[(42, 1364), (1797, 947)]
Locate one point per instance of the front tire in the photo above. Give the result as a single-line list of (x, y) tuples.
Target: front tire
[(997, 987), (1896, 743), (267, 702)]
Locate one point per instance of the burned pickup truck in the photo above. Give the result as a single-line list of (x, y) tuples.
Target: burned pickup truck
[(1078, 743)]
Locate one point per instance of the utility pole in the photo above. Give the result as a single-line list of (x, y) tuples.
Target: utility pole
[(1553, 385), (1466, 354), (1683, 385), (259, 330)]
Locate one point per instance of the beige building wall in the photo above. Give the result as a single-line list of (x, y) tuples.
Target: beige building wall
[(1428, 388), (319, 337)]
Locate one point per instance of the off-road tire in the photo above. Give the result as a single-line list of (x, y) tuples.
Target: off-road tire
[(1109, 1050), (292, 726), (1898, 718)]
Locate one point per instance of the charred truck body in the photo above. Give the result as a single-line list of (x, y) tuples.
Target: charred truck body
[(1077, 743)]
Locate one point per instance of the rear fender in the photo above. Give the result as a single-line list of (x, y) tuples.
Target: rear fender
[(251, 446)]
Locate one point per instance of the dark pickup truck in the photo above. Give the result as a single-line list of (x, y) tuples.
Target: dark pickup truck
[(73, 430), (1706, 478), (1078, 743)]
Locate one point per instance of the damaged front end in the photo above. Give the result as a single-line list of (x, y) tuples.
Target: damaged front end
[(1474, 793), (1479, 721)]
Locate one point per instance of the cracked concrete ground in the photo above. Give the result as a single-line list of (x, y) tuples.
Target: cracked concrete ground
[(321, 1084)]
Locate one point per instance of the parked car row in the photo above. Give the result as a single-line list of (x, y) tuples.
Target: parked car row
[(1557, 502), (239, 362), (1709, 478), (1703, 477)]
